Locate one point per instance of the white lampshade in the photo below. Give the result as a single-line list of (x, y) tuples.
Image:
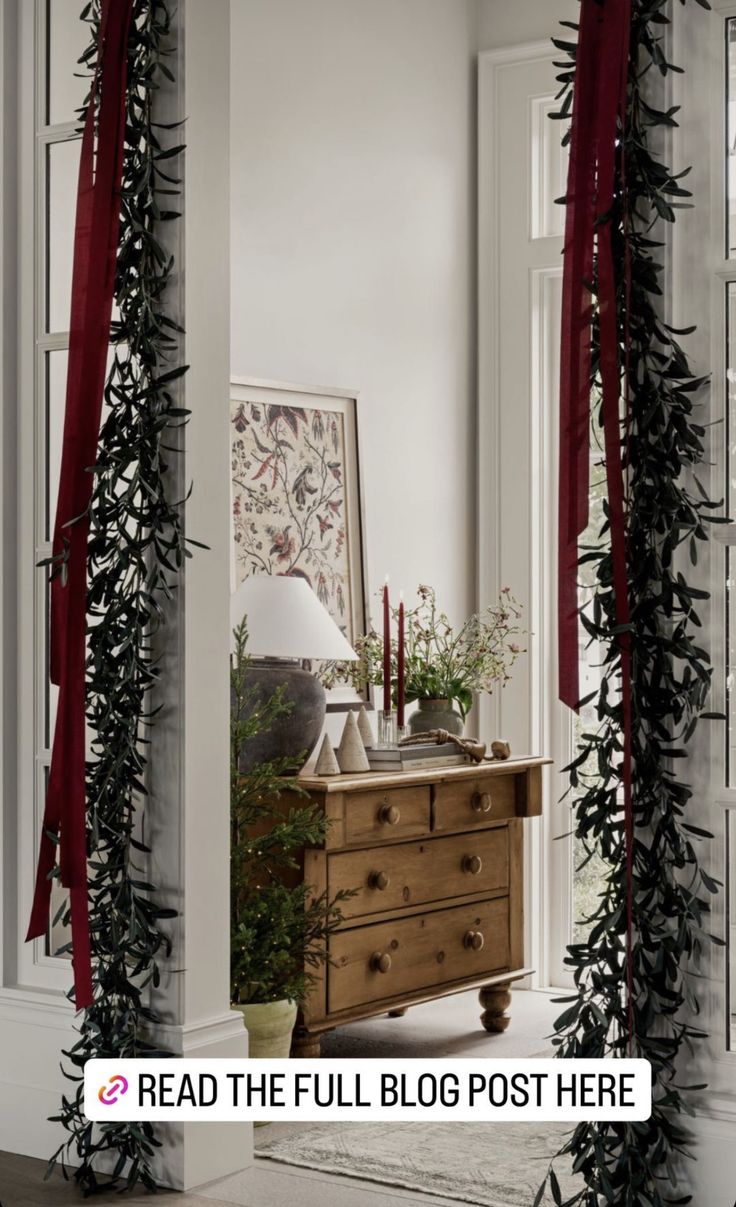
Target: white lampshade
[(286, 620)]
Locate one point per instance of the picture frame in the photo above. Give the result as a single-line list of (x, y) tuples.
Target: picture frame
[(296, 498)]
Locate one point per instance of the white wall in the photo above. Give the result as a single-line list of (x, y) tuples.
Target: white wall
[(353, 214), (508, 22)]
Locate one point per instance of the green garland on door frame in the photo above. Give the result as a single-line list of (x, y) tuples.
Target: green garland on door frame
[(136, 551), (668, 515)]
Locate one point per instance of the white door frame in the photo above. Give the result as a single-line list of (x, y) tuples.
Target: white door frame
[(546, 725), (700, 275)]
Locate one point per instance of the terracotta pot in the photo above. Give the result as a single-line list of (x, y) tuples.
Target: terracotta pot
[(269, 1026), (435, 714)]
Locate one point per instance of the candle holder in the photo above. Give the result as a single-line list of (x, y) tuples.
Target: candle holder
[(386, 728)]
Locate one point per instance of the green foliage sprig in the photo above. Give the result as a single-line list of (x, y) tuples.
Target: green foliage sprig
[(443, 663), (279, 928), (136, 550), (634, 1163)]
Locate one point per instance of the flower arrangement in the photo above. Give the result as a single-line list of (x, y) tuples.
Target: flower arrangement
[(440, 662)]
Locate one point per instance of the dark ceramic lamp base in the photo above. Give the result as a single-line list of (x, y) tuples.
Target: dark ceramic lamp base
[(291, 737)]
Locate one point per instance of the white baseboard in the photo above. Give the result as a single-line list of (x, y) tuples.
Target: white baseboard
[(711, 1178), (35, 1028), (196, 1153)]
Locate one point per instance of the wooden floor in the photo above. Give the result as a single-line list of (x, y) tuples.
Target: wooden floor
[(22, 1185), (265, 1184)]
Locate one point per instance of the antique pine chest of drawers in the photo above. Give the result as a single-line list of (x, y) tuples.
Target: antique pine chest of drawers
[(436, 858)]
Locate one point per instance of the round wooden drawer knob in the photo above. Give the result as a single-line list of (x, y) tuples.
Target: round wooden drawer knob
[(379, 880), (482, 802), (390, 815), (472, 864), (380, 961), (474, 940)]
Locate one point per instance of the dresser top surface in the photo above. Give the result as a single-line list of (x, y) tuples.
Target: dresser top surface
[(367, 780)]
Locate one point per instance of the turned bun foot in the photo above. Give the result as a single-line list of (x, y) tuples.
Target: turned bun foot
[(397, 1013), (495, 1000), (305, 1045)]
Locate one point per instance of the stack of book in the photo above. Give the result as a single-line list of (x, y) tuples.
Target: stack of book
[(415, 758)]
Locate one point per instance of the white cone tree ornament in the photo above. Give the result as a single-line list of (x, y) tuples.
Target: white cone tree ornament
[(326, 762), (351, 753), (364, 729)]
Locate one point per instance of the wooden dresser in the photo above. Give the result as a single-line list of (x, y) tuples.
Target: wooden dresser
[(437, 859)]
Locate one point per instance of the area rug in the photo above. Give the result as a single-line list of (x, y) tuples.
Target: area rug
[(491, 1164)]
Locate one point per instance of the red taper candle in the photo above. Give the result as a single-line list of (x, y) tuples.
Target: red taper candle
[(400, 687), (386, 649)]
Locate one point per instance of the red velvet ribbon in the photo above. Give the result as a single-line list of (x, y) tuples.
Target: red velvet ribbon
[(93, 281), (598, 119)]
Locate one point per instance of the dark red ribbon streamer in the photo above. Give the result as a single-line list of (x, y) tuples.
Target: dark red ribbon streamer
[(598, 120), (93, 281)]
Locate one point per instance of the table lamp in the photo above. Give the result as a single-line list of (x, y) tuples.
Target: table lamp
[(286, 624)]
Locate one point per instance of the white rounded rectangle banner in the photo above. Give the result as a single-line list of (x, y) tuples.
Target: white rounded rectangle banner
[(567, 1091)]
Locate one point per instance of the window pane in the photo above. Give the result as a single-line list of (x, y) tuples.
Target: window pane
[(50, 690), (730, 613), (588, 872), (57, 934), (730, 138), (730, 826), (730, 493), (56, 370), (55, 390), (56, 365), (62, 165), (548, 169), (67, 37)]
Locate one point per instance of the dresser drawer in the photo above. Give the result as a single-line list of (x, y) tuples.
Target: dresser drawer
[(468, 803), (390, 959), (387, 814), (413, 873)]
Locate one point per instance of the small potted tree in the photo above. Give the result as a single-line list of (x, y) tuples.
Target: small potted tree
[(279, 929)]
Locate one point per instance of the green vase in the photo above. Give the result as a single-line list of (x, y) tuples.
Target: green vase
[(435, 714), (269, 1026)]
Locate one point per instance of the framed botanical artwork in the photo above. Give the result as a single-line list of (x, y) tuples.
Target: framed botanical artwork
[(296, 497)]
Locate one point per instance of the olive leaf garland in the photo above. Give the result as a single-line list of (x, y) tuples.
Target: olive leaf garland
[(137, 548), (634, 1163)]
